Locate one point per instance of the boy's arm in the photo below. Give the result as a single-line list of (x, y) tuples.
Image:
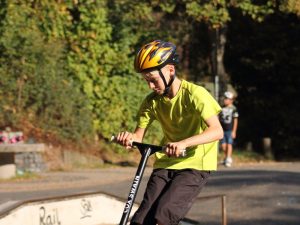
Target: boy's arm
[(138, 134), (212, 133), (234, 128)]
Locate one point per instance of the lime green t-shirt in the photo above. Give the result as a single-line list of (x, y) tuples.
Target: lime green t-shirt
[(181, 117)]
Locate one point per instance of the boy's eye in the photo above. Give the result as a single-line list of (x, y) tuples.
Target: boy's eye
[(151, 80)]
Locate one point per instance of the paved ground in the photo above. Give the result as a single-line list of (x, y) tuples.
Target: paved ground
[(260, 194)]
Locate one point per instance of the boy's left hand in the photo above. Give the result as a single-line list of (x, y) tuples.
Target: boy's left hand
[(175, 148)]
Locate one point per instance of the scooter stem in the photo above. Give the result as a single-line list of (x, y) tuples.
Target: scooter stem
[(135, 185)]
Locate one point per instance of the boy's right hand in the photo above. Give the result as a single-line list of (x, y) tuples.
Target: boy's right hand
[(125, 138)]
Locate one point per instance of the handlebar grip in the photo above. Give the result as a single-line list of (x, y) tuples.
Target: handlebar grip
[(183, 153), (113, 138)]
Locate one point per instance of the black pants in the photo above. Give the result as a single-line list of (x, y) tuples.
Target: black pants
[(169, 196)]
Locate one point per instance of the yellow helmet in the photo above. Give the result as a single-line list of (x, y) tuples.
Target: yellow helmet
[(155, 55)]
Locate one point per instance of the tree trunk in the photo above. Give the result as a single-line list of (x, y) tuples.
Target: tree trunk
[(218, 40)]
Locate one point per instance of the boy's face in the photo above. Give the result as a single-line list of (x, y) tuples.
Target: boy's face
[(154, 80), (228, 101)]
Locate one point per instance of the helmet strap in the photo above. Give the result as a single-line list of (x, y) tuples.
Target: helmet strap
[(167, 85)]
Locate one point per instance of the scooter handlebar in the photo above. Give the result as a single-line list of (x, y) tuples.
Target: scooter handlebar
[(157, 148)]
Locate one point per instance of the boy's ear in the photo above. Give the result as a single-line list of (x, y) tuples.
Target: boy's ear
[(172, 69)]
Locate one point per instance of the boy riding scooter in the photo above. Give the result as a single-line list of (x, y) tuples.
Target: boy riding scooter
[(188, 115)]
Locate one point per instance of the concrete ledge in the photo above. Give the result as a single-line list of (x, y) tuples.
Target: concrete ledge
[(7, 171), (83, 209), (22, 148), (8, 154)]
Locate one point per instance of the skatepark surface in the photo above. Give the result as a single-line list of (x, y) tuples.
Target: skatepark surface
[(256, 193)]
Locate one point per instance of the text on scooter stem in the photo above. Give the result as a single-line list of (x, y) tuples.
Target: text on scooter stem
[(132, 193)]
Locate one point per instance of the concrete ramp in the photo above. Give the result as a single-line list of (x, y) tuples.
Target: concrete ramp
[(84, 209)]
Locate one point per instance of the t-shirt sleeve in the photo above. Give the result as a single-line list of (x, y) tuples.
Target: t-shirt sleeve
[(205, 104), (235, 113), (145, 114)]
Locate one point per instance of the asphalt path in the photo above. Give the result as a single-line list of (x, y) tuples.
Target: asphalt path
[(259, 193)]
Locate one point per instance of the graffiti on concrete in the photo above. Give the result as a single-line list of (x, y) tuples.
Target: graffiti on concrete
[(86, 208), (49, 218)]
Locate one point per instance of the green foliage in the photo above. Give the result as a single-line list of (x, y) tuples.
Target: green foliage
[(216, 13), (213, 12), (290, 6), (118, 102), (54, 18), (256, 11), (35, 87)]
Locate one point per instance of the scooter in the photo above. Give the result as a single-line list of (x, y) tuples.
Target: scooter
[(146, 151)]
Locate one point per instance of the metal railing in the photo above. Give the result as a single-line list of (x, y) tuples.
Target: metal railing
[(223, 205)]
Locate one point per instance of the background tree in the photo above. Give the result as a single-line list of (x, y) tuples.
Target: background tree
[(266, 78)]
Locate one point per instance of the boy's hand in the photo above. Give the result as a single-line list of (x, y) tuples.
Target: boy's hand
[(175, 149), (125, 138), (233, 134)]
